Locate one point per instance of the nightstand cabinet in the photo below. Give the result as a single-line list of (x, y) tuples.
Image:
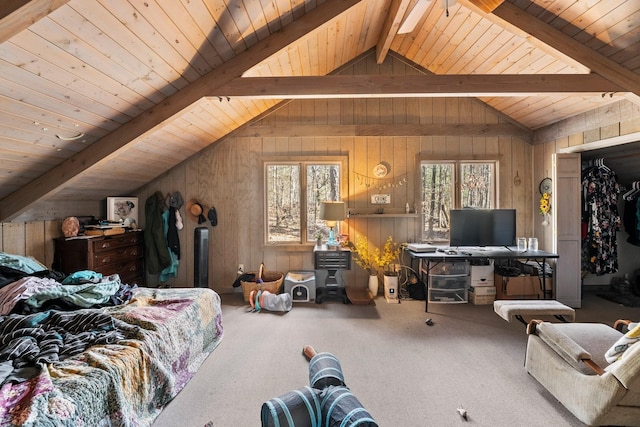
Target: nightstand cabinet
[(329, 264), (121, 254)]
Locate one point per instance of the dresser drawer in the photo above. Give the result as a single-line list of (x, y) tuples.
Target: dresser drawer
[(129, 271), (117, 255), (333, 260), (109, 244)]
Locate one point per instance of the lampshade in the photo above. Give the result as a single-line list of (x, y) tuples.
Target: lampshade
[(332, 211)]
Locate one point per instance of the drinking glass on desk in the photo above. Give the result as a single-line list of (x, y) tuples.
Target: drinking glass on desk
[(533, 244), (522, 244)]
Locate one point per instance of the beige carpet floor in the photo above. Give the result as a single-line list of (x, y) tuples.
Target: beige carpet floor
[(403, 371)]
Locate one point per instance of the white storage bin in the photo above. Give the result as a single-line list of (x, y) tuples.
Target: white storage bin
[(482, 275)]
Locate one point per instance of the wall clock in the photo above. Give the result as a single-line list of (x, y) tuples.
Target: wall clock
[(545, 186), (380, 170)]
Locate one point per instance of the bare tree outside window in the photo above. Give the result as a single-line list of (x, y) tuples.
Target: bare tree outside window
[(476, 185), (283, 203), (447, 185), (437, 200), (294, 192)]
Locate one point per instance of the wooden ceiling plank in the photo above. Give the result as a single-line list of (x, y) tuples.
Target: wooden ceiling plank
[(618, 36), (75, 26), (480, 38), (155, 118), (136, 26), (174, 34), (257, 18), (602, 65), (440, 35), (19, 60), (186, 23), (519, 32), (382, 86), (130, 41), (371, 23), (271, 14), (285, 12), (52, 54), (38, 85), (25, 95), (208, 25), (394, 15), (355, 25), (463, 40), (485, 47), (90, 55), (18, 15)]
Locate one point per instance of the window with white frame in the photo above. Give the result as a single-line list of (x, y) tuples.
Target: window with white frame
[(294, 191), (447, 185)]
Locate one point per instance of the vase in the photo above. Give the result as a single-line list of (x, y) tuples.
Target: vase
[(373, 285), (391, 287)]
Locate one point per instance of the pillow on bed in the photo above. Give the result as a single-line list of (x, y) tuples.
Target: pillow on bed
[(22, 263), (627, 340)]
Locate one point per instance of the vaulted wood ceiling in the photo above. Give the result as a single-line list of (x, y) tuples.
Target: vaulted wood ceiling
[(99, 97)]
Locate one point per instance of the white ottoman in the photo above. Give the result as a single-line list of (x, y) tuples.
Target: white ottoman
[(510, 309)]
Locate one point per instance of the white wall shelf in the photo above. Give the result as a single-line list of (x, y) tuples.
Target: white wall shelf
[(383, 215)]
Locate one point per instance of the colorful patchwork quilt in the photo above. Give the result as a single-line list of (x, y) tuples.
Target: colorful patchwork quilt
[(110, 366)]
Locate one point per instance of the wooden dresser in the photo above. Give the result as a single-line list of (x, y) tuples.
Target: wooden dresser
[(122, 254)]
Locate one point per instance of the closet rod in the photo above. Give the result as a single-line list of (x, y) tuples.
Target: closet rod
[(618, 157)]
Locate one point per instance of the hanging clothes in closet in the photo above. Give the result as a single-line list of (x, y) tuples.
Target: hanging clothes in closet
[(600, 219), (631, 215)]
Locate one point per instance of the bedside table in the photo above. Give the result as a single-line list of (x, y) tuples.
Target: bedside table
[(329, 264)]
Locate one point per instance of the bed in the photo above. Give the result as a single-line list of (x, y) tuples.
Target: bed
[(74, 354)]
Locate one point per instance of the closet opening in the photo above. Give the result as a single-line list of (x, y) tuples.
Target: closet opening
[(610, 221)]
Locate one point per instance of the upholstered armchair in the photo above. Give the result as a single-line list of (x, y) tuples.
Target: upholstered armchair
[(568, 359)]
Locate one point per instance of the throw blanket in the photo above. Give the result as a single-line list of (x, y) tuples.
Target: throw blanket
[(166, 335)]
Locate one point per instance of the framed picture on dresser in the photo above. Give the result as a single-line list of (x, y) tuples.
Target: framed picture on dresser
[(123, 210)]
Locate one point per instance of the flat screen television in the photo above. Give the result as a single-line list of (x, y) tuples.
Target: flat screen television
[(482, 227)]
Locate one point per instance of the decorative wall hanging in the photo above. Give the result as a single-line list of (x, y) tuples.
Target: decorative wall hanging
[(380, 183), (380, 170)]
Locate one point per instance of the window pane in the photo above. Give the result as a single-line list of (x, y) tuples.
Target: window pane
[(437, 200), (283, 203), (323, 183), (476, 185)]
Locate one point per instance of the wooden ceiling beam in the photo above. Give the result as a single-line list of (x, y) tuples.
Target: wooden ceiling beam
[(154, 118), (17, 15), (549, 35), (487, 6), (391, 130), (368, 86), (392, 22)]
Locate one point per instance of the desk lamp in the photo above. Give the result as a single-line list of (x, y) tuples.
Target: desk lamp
[(332, 212)]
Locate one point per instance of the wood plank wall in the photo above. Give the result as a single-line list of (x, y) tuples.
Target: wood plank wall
[(229, 174), (33, 238)]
